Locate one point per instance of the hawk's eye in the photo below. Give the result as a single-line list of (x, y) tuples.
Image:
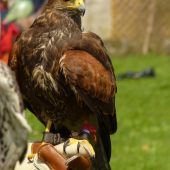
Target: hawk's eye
[(66, 0)]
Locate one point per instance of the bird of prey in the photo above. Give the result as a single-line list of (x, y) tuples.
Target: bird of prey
[(14, 128), (66, 76)]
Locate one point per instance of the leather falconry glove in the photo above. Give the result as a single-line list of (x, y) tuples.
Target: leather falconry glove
[(48, 157)]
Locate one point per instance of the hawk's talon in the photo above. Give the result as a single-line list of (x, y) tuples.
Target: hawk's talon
[(65, 145), (78, 147), (31, 157)]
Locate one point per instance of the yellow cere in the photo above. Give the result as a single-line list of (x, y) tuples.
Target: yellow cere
[(77, 3)]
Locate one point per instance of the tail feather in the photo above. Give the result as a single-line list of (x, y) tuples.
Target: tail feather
[(100, 162)]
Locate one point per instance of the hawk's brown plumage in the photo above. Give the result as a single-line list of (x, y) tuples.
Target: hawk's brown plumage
[(65, 73)]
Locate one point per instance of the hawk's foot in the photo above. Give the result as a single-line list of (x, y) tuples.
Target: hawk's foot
[(81, 144)]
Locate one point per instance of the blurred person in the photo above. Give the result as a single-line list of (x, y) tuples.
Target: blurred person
[(11, 3), (39, 6), (9, 32)]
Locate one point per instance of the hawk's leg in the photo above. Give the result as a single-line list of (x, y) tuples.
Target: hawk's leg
[(87, 129), (83, 138)]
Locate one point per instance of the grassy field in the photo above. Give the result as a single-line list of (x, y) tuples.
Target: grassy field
[(142, 141)]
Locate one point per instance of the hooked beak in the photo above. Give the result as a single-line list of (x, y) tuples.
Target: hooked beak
[(79, 5)]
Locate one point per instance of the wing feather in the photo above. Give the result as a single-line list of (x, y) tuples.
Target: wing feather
[(83, 70)]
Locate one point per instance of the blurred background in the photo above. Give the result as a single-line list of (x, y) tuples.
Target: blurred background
[(136, 34), (136, 26)]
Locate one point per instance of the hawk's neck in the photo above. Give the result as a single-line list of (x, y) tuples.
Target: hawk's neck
[(54, 17)]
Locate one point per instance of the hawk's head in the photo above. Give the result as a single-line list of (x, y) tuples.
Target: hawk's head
[(68, 7)]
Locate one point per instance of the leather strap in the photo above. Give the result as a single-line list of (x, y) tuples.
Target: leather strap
[(81, 136), (34, 147), (78, 162), (56, 139), (52, 138)]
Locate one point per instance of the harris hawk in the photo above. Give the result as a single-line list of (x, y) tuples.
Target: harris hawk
[(66, 76)]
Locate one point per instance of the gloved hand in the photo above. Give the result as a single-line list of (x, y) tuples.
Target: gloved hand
[(48, 157)]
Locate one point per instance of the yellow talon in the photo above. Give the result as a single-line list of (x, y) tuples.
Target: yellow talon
[(47, 129), (30, 157), (86, 142)]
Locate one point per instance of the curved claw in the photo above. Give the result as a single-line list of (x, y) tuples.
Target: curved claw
[(31, 157), (78, 147), (65, 145)]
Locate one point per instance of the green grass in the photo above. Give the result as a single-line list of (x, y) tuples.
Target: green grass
[(143, 108), (37, 127), (143, 113)]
